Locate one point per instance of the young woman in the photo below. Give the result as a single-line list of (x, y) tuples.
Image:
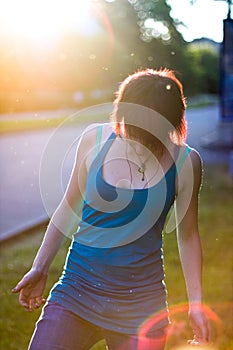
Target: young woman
[(128, 172)]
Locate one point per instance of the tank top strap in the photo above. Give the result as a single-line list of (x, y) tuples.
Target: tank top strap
[(101, 153), (182, 159), (98, 138)]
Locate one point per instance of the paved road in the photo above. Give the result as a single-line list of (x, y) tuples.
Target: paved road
[(24, 155)]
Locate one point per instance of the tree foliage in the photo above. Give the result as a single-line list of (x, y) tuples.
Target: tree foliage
[(203, 70), (145, 35)]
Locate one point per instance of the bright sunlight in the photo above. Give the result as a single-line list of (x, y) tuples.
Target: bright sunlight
[(43, 21)]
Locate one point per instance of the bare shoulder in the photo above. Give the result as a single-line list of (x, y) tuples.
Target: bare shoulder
[(196, 159), (191, 170), (90, 133), (89, 140), (193, 157)]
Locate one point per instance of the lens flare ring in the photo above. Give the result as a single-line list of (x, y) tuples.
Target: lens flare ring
[(178, 328), (52, 191)]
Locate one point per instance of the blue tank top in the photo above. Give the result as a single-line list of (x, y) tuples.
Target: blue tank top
[(113, 275)]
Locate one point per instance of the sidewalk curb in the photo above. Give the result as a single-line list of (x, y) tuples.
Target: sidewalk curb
[(27, 228)]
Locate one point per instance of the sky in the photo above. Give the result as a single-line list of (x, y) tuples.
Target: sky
[(202, 19)]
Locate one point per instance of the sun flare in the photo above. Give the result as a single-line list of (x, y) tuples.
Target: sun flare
[(42, 21)]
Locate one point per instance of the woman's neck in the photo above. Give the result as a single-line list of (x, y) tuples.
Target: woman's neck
[(143, 147)]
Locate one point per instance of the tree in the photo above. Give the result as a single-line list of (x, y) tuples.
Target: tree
[(145, 35), (202, 75)]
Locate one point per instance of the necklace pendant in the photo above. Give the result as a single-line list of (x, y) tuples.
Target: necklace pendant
[(141, 170)]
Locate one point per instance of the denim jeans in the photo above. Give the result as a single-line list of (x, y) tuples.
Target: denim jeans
[(60, 329)]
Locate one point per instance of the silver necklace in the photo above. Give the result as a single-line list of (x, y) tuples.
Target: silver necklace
[(142, 167), (131, 175), (152, 177)]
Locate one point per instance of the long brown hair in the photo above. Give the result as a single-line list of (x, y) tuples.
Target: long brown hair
[(158, 90)]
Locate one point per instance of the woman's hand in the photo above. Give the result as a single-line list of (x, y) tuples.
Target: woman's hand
[(200, 326), (31, 289)]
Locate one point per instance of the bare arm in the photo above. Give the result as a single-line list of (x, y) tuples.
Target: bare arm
[(189, 244), (65, 220), (62, 224)]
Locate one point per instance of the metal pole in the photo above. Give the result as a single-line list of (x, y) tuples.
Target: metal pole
[(229, 9)]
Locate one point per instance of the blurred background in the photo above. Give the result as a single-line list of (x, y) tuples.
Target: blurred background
[(59, 54)]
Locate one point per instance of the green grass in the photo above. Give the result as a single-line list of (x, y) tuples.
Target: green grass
[(16, 325), (216, 224), (19, 125), (16, 125)]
